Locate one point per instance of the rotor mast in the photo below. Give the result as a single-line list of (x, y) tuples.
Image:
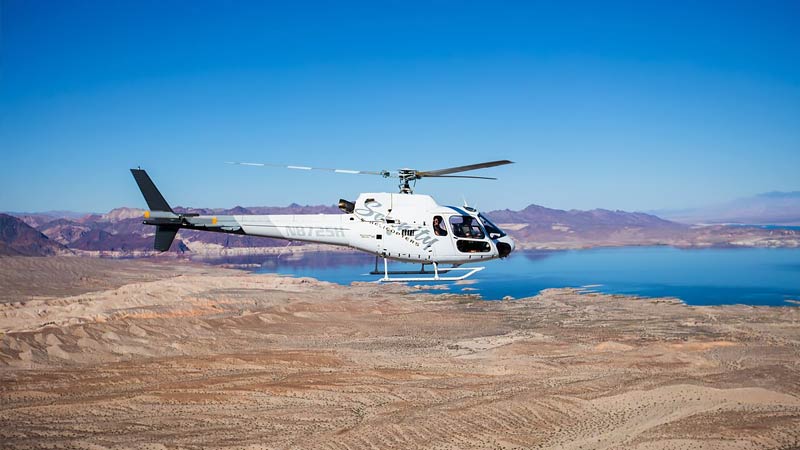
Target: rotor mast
[(406, 175)]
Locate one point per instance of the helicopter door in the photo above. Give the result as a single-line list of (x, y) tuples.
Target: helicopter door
[(469, 235)]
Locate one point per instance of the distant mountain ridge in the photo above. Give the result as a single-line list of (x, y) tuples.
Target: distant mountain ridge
[(120, 232), (598, 226), (770, 208), (541, 215), (779, 194), (293, 208), (117, 214)]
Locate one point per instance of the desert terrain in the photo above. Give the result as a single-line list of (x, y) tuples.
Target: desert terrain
[(101, 354)]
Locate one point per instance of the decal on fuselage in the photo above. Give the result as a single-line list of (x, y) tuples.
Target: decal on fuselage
[(376, 218), (313, 232)]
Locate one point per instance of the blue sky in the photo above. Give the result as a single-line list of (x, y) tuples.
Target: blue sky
[(620, 105)]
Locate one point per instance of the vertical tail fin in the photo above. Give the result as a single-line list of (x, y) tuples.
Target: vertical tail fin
[(155, 201), (165, 232)]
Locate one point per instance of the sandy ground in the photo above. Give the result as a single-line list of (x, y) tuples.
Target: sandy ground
[(197, 357), (24, 279)]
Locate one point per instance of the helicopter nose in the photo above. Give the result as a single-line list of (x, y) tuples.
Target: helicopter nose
[(505, 245)]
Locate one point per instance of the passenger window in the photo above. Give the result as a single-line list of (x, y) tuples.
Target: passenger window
[(439, 227), (466, 227)]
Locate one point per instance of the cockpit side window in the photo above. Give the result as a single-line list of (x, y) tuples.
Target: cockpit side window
[(439, 228), (466, 227), (494, 231)]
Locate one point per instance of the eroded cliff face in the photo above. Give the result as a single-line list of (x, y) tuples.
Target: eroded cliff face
[(146, 355)]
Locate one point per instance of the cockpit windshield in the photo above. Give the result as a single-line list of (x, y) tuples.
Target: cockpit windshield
[(466, 227), (494, 231)]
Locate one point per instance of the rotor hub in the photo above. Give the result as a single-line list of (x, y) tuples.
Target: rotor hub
[(406, 175)]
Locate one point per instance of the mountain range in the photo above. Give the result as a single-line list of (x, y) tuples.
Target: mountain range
[(771, 208), (120, 232)]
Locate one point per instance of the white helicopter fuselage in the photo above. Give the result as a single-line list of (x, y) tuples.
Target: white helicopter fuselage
[(394, 226), (403, 227)]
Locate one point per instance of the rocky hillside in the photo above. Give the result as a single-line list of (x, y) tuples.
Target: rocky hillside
[(18, 238), (64, 231)]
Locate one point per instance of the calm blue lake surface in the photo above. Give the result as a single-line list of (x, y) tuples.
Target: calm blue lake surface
[(699, 277)]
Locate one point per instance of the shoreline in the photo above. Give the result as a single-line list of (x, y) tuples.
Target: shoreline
[(320, 261), (223, 253)]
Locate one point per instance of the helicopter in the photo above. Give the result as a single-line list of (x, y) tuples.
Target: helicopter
[(404, 226)]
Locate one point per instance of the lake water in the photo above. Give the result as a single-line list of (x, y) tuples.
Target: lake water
[(697, 276)]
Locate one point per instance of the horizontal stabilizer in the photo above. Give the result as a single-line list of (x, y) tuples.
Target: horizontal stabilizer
[(165, 234)]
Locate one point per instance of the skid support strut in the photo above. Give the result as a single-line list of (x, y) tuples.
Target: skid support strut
[(439, 273)]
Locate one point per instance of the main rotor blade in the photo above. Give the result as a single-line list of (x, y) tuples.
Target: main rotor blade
[(384, 173), (459, 176), (430, 173)]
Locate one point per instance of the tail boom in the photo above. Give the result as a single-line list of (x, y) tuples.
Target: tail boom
[(320, 228)]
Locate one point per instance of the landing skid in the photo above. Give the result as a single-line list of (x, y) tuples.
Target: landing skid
[(437, 271)]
